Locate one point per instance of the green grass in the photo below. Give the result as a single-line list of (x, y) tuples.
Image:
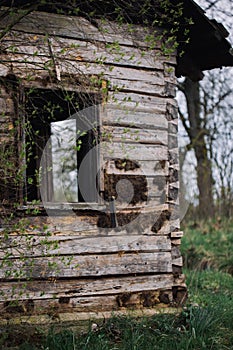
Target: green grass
[(206, 322), (195, 328), (208, 245)]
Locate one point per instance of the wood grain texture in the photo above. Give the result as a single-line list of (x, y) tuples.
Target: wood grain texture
[(133, 134), (88, 266), (80, 28), (147, 168), (128, 115), (36, 246), (134, 152), (126, 80), (87, 51), (82, 287)]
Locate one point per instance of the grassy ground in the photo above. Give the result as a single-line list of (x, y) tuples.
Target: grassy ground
[(205, 323)]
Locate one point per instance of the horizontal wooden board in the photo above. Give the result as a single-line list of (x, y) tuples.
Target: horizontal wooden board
[(85, 51), (147, 168), (124, 134), (113, 73), (177, 261), (88, 266), (133, 100), (120, 78), (68, 223), (177, 234), (83, 287), (37, 246), (80, 28), (58, 308), (134, 152), (138, 118)]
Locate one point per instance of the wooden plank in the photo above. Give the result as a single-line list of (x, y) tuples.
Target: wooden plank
[(134, 152), (117, 73), (36, 246), (177, 234), (134, 81), (134, 85), (175, 241), (124, 134), (42, 23), (125, 115), (85, 51), (70, 224), (178, 261), (147, 168), (88, 266), (56, 308), (51, 289), (118, 76), (80, 28), (133, 100)]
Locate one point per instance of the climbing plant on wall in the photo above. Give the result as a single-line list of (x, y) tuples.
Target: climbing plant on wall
[(42, 79)]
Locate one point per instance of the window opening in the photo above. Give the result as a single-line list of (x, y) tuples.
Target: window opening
[(56, 131)]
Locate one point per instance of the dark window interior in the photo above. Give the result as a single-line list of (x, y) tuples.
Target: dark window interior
[(60, 130)]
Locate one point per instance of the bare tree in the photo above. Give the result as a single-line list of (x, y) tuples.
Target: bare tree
[(208, 125)]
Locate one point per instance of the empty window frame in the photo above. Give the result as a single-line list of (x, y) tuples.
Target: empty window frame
[(61, 135)]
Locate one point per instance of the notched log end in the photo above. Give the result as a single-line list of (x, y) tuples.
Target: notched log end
[(164, 216)]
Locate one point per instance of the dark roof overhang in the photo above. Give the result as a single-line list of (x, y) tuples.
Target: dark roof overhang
[(207, 47)]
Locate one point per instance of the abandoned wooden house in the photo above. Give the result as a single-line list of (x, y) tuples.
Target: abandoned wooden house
[(89, 157)]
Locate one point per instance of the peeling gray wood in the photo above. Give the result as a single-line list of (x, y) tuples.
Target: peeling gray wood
[(86, 51), (147, 168), (125, 115), (118, 74), (123, 134), (177, 261), (157, 186), (111, 150), (177, 234), (82, 287), (79, 28), (175, 241), (120, 78), (133, 100), (58, 310), (36, 246), (90, 266)]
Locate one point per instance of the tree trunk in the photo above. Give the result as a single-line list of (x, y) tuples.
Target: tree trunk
[(198, 143)]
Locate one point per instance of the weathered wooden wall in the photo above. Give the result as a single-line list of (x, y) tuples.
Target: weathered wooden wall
[(85, 265)]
